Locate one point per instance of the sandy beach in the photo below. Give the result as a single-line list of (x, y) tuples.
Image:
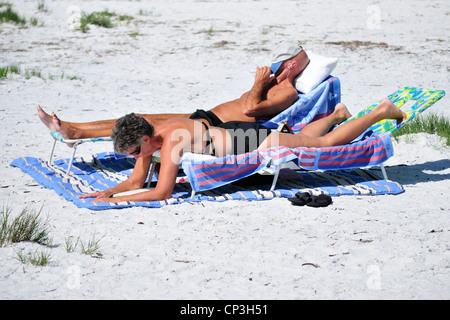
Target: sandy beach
[(182, 55)]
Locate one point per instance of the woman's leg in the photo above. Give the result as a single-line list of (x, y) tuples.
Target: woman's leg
[(94, 129), (341, 135)]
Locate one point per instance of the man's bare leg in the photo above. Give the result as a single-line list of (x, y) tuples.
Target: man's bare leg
[(339, 136), (353, 129), (94, 129), (322, 126)]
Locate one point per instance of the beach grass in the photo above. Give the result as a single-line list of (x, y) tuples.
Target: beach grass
[(10, 69), (29, 73), (433, 124), (33, 73), (26, 226), (38, 259), (102, 19), (91, 248), (9, 15), (42, 7), (71, 244)]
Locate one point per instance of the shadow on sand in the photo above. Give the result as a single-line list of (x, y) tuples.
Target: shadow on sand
[(421, 172)]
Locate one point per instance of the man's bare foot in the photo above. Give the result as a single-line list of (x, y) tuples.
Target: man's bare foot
[(45, 118), (390, 111), (341, 113), (54, 123)]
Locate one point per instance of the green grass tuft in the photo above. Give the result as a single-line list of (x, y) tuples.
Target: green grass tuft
[(102, 19), (39, 259), (27, 226), (12, 68), (433, 124), (8, 15)]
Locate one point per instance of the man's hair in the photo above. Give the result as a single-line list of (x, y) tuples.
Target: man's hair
[(128, 132)]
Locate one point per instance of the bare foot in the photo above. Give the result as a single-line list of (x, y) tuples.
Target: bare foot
[(390, 111), (54, 123), (341, 113), (45, 118)]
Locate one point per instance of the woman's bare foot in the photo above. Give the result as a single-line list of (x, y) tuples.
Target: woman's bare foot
[(54, 123), (390, 111), (341, 113)]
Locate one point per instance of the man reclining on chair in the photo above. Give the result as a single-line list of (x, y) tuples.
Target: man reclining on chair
[(268, 97), (133, 135)]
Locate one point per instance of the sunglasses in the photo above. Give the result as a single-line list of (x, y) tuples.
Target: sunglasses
[(136, 151)]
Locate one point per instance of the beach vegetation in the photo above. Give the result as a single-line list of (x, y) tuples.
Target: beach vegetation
[(9, 15), (102, 19), (10, 69), (91, 248), (71, 244), (34, 22), (28, 225), (143, 12), (29, 73), (432, 124), (33, 73), (42, 7), (39, 259)]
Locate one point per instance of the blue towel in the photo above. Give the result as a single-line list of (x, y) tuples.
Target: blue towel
[(105, 170)]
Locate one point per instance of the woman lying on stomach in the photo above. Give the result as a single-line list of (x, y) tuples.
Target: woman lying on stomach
[(133, 135)]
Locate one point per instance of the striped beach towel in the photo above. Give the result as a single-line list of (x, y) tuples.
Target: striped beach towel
[(213, 173)]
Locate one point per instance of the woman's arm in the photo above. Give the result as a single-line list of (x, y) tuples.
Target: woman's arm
[(166, 180), (135, 181)]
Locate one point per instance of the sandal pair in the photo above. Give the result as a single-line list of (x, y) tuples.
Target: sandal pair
[(304, 198)]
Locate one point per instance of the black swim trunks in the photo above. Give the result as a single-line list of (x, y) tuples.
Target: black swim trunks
[(245, 136), (209, 148), (208, 116)]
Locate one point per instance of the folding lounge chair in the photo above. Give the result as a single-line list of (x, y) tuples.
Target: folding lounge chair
[(75, 142), (372, 148)]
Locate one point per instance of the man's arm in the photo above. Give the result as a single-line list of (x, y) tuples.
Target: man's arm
[(258, 107)]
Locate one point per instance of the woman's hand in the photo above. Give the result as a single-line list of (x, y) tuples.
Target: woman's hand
[(107, 200), (106, 194)]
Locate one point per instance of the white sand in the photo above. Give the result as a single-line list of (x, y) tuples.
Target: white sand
[(381, 247)]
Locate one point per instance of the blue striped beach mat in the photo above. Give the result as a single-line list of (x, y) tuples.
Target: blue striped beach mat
[(105, 170)]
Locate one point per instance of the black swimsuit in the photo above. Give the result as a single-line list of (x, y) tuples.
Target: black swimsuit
[(209, 116), (209, 148), (245, 136)]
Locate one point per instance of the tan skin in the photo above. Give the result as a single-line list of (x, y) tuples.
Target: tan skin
[(166, 138), (269, 96)]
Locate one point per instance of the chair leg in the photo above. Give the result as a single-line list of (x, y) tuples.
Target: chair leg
[(71, 160), (50, 159), (275, 178), (152, 171), (383, 170)]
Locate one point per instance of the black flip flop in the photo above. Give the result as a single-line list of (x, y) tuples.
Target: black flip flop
[(322, 200), (301, 199)]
